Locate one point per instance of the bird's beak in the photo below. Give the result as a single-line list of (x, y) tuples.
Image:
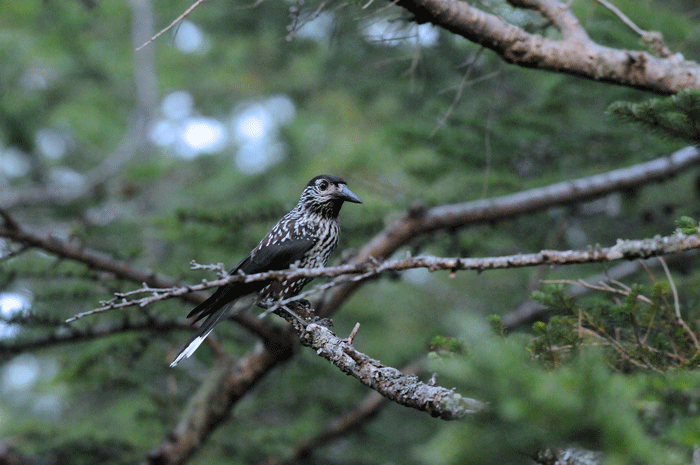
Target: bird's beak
[(346, 194)]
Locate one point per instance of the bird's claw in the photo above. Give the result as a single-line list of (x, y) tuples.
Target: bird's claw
[(327, 322)]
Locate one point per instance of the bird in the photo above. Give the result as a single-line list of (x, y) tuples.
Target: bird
[(305, 237)]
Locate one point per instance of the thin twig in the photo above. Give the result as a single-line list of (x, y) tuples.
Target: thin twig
[(171, 25), (477, 80), (639, 31), (676, 304), (353, 333), (218, 268), (458, 94), (654, 39), (362, 271), (157, 295), (620, 348), (602, 286), (63, 335)]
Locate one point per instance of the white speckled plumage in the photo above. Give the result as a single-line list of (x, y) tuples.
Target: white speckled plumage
[(323, 231), (305, 237)]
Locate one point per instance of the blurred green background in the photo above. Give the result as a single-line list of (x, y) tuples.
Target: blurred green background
[(192, 147)]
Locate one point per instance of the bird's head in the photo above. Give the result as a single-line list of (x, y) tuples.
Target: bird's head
[(325, 195)]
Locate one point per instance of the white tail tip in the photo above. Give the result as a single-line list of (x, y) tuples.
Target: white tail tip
[(189, 350)]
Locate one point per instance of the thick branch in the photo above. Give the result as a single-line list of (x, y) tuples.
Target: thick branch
[(419, 220), (226, 383), (349, 421), (562, 193), (389, 382), (574, 54), (403, 389)]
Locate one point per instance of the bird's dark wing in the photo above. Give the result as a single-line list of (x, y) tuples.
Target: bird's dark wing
[(274, 257), (278, 256)]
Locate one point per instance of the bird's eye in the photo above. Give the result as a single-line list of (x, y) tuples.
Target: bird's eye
[(323, 185)]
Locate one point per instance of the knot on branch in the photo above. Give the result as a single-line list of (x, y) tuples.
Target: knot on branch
[(416, 210), (8, 222)]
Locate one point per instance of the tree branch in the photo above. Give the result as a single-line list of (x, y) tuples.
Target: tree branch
[(171, 25), (227, 382), (574, 54), (623, 250), (67, 335), (530, 311), (353, 419), (389, 382), (136, 134), (120, 269), (403, 389), (420, 220)]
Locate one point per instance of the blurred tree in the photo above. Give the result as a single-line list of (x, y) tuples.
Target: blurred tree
[(120, 164)]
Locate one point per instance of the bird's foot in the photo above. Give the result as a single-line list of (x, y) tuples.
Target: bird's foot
[(291, 312), (303, 309), (327, 322)]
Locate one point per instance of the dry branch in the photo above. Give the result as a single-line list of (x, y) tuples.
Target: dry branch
[(403, 389), (574, 54), (623, 250), (530, 311), (171, 25)]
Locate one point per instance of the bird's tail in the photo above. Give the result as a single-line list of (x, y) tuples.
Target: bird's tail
[(203, 331)]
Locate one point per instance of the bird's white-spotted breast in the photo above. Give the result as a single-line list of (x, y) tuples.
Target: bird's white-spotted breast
[(324, 231), (305, 237)]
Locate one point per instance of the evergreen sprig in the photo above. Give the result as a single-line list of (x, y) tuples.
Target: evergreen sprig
[(677, 116), (638, 332), (687, 225)]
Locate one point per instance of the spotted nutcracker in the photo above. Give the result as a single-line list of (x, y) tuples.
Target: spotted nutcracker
[(306, 236)]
